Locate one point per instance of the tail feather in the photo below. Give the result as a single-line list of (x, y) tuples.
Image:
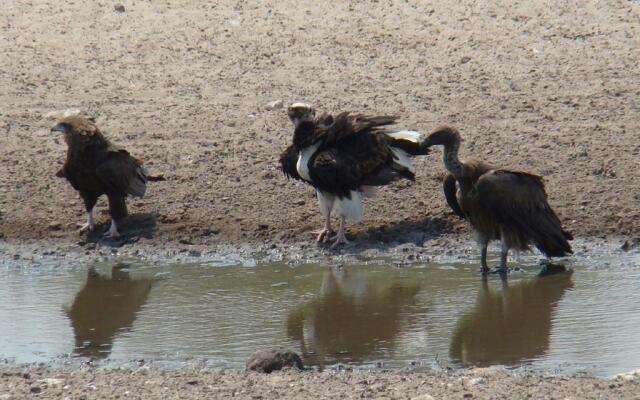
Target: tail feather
[(408, 141), (550, 238), (412, 136), (138, 184)]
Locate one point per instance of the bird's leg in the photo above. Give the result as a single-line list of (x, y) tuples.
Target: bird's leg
[(340, 237), (484, 269), (327, 230), (89, 202), (326, 202), (89, 225), (113, 230), (504, 251)]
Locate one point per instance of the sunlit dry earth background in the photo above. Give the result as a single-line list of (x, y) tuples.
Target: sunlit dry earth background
[(551, 88)]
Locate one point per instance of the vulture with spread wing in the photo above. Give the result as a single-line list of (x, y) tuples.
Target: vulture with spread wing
[(500, 204), (95, 167), (344, 158)]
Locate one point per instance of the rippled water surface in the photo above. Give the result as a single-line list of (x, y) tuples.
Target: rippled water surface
[(366, 315)]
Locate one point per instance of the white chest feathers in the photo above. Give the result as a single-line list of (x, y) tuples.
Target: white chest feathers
[(303, 161)]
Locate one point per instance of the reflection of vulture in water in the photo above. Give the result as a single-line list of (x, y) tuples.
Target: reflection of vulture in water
[(345, 157), (511, 325), (352, 320), (104, 307), (500, 204), (95, 167)]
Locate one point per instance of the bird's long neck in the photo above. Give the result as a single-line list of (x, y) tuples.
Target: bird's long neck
[(451, 161)]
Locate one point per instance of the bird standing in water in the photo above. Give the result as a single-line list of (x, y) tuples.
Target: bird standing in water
[(500, 204)]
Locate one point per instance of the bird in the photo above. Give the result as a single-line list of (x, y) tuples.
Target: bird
[(94, 166), (500, 204), (344, 157)]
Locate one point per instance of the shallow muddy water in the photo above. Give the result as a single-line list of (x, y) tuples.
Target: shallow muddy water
[(371, 316)]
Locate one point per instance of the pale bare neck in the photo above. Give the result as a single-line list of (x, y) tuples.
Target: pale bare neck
[(451, 161)]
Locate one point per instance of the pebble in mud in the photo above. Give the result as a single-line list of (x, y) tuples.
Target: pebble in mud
[(274, 105), (268, 361)]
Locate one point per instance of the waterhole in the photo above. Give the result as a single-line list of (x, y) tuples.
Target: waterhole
[(365, 316)]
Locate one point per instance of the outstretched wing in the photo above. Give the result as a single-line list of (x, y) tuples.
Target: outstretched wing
[(358, 161), (518, 201), (451, 195), (122, 174)]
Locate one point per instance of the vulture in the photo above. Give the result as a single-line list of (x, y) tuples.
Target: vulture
[(94, 166), (344, 158), (510, 206)]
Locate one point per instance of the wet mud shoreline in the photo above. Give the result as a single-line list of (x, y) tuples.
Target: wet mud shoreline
[(447, 248), (196, 383)]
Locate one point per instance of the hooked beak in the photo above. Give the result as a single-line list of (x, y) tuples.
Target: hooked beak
[(60, 127)]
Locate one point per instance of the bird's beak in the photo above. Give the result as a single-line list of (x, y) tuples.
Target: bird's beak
[(60, 127), (426, 144)]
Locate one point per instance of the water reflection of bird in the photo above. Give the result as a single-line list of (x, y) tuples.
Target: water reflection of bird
[(103, 307), (511, 325), (353, 319)]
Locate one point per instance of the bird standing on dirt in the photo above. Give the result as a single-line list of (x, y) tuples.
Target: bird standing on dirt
[(95, 167), (504, 205), (344, 158)]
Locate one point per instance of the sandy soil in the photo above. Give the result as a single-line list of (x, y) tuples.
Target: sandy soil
[(551, 88), (146, 383)]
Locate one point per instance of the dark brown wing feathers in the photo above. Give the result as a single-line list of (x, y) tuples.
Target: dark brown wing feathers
[(120, 174), (451, 195), (342, 169), (518, 202), (346, 125), (352, 154), (288, 163)]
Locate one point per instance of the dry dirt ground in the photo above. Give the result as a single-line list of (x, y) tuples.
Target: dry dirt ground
[(549, 87), (147, 383)]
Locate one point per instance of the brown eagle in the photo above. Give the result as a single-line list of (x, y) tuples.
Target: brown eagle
[(510, 206), (345, 157), (95, 167)]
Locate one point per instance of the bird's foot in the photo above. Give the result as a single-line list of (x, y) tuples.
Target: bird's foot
[(502, 271), (112, 233), (85, 228), (324, 235), (338, 239)]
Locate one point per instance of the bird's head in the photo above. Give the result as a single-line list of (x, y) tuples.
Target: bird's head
[(75, 125), (299, 112), (445, 136)]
